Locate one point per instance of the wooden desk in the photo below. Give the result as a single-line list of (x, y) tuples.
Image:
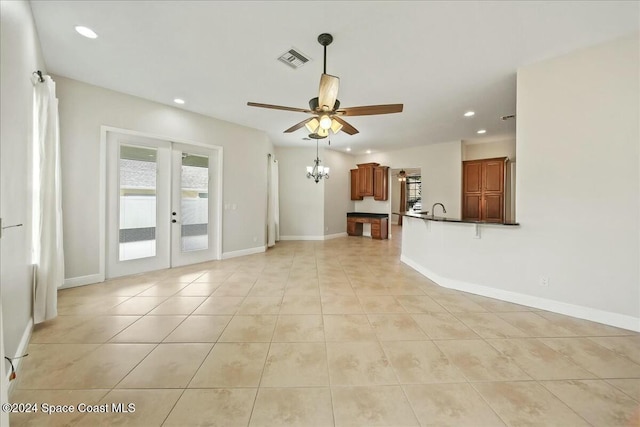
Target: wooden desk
[(379, 224)]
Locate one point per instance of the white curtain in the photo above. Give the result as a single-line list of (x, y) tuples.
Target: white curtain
[(48, 254), (273, 203)]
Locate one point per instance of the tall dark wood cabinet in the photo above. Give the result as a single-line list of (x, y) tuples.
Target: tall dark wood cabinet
[(483, 189)]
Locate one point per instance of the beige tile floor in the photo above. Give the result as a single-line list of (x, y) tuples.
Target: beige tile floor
[(321, 334)]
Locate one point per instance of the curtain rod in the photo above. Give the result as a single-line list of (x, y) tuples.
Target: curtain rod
[(39, 74)]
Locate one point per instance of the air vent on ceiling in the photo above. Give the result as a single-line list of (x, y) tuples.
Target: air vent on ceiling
[(294, 58), (509, 117)]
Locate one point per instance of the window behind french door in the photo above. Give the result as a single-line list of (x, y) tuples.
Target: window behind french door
[(160, 204)]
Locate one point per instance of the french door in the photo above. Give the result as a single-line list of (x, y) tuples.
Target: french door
[(161, 204)]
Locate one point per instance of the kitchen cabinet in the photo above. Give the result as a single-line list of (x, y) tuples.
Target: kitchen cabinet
[(365, 179), (379, 224), (483, 189), (355, 189), (370, 179), (381, 183)]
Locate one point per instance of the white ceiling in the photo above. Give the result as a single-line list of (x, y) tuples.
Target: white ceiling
[(438, 58)]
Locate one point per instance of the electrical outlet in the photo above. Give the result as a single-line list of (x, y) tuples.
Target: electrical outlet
[(544, 281), (326, 229), (255, 238)]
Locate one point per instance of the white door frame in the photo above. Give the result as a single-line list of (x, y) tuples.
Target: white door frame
[(217, 176)]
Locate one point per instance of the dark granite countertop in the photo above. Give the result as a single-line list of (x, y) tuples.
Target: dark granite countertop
[(428, 217), (368, 215)]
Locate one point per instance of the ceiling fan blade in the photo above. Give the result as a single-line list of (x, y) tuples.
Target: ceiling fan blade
[(346, 127), (298, 125), (328, 92), (279, 107), (370, 110)]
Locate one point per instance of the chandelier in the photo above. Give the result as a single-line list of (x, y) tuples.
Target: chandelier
[(316, 171)]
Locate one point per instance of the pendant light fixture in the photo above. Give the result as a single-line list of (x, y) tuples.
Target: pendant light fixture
[(317, 172)]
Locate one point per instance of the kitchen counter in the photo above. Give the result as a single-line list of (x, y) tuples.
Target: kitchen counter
[(367, 215), (428, 217)]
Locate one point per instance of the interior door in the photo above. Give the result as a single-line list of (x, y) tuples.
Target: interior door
[(193, 221), (138, 204)]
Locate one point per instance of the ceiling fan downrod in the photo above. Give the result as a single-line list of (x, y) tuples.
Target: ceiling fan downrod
[(325, 40)]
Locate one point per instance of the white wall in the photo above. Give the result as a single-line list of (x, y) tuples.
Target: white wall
[(578, 174), (489, 149), (578, 196), (337, 191), (84, 108), (20, 55), (301, 199), (441, 168)]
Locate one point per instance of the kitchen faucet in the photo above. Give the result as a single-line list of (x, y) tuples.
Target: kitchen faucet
[(433, 209)]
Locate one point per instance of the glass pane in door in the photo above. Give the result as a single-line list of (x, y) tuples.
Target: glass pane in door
[(138, 174), (194, 203)]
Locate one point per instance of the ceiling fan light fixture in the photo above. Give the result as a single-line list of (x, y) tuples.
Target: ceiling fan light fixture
[(312, 125), (320, 134), (325, 122), (335, 126)]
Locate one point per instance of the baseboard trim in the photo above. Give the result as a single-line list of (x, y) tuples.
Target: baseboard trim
[(335, 236), (72, 282), (243, 252), (22, 349), (301, 237), (606, 317), (325, 237)]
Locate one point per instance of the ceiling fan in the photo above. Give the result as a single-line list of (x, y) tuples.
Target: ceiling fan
[(326, 111)]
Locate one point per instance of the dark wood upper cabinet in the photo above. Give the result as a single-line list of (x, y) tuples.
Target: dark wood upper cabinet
[(483, 189), (370, 179), (355, 189), (381, 183), (365, 179)]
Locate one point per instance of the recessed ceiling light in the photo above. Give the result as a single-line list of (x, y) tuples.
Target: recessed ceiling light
[(87, 32), (469, 113), (179, 101), (481, 131), (348, 149), (368, 151)]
